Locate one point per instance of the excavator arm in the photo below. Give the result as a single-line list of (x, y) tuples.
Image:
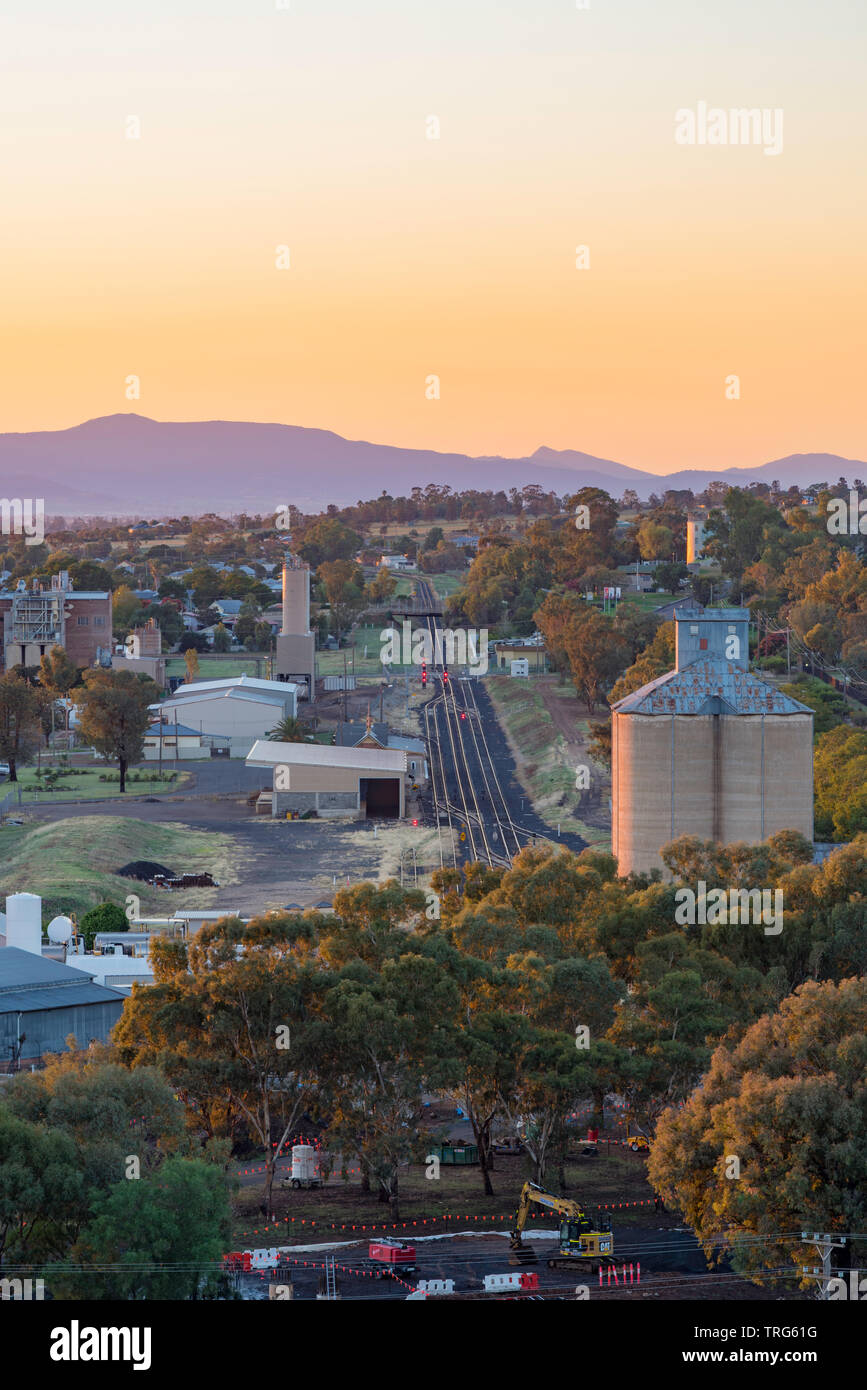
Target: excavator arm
[(534, 1196), (579, 1239)]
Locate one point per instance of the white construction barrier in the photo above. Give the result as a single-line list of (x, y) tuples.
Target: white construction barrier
[(501, 1281), (264, 1259)]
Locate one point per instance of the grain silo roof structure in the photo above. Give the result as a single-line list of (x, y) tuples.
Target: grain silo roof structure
[(709, 687)]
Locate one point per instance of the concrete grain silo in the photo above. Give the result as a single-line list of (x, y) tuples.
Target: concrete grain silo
[(708, 749)]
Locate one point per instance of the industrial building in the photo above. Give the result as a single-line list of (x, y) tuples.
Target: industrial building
[(295, 645), (35, 619), (231, 713), (334, 782), (529, 649), (708, 749), (43, 1001)]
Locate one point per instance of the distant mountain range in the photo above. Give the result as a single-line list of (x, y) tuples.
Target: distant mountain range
[(128, 464)]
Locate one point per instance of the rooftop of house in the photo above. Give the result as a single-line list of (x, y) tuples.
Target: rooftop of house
[(348, 735), (170, 730), (410, 745)]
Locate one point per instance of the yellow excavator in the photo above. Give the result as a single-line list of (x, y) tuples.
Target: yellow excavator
[(580, 1241)]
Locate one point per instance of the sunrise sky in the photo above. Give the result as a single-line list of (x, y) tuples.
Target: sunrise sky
[(306, 127)]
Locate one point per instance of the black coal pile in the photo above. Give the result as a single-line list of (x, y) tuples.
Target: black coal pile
[(145, 870)]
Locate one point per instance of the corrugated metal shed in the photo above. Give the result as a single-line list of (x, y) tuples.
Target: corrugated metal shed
[(66, 996), (29, 982), (22, 969), (709, 687), (43, 1001)]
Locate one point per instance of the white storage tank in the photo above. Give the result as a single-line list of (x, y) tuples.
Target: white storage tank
[(24, 922), (305, 1169)]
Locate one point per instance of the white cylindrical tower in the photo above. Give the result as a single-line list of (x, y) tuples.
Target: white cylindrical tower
[(24, 922), (296, 599)]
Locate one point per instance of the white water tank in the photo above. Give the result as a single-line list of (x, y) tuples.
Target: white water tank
[(304, 1166), (24, 922), (60, 930)]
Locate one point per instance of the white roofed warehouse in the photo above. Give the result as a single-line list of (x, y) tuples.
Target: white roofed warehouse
[(354, 783), (237, 711)]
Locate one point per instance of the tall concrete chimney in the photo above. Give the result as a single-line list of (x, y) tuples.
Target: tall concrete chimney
[(295, 656), (296, 599)]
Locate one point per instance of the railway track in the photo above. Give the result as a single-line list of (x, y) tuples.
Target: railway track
[(467, 792)]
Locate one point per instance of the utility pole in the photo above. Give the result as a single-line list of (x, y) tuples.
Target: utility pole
[(788, 654), (824, 1244), (344, 688)]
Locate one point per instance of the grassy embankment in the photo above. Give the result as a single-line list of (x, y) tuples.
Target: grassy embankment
[(544, 765), (72, 864)]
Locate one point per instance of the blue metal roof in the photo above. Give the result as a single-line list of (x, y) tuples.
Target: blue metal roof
[(18, 969), (29, 1001), (29, 983), (709, 686)]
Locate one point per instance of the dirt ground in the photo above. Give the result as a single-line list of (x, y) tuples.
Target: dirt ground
[(273, 862), (372, 696), (593, 807)]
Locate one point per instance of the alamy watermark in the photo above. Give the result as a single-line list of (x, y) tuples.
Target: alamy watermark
[(446, 647), (23, 517), (847, 517), (22, 1290), (741, 125), (719, 907)]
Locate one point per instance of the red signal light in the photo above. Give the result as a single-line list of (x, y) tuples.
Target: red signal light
[(445, 677), (415, 822)]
